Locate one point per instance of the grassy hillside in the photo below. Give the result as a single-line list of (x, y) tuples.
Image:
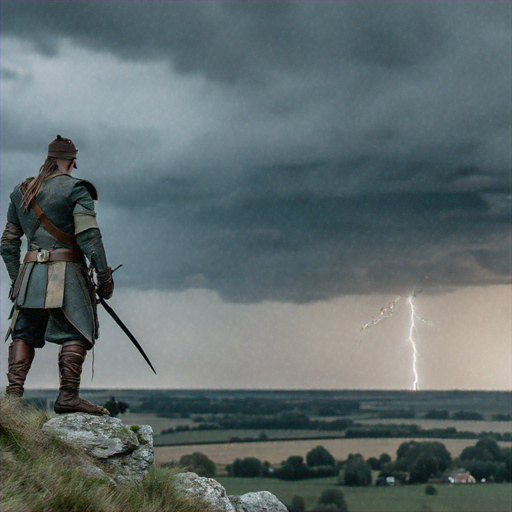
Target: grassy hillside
[(40, 473)]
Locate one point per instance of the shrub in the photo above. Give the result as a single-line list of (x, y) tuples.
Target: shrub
[(430, 490), (114, 407), (199, 463), (298, 504), (435, 414), (249, 467), (293, 469), (323, 471), (357, 472), (332, 498), (467, 415)]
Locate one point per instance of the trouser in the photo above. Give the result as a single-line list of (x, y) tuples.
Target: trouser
[(36, 326)]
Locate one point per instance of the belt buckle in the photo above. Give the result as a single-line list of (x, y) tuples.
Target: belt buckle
[(43, 255)]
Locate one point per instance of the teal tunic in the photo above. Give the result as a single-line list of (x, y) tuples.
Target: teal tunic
[(68, 203)]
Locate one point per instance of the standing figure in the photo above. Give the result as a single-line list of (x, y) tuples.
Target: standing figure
[(53, 290)]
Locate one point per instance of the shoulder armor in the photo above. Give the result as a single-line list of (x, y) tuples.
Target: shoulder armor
[(91, 188), (88, 185)]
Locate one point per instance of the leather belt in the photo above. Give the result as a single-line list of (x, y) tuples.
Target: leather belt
[(44, 256)]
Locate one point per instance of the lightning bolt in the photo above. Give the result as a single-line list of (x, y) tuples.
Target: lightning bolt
[(411, 340), (386, 313)]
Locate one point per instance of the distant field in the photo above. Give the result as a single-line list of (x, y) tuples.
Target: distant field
[(160, 424), (219, 436), (276, 452), (470, 426), (410, 498)]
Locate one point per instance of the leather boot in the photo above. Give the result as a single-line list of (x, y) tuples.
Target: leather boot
[(71, 359), (21, 355)]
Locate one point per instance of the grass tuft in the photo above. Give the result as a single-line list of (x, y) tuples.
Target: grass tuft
[(42, 473)]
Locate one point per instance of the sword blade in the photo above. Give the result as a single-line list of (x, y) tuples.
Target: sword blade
[(125, 329)]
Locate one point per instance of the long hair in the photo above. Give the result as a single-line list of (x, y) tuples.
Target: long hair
[(32, 186)]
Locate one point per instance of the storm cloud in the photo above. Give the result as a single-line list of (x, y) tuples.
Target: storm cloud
[(289, 151)]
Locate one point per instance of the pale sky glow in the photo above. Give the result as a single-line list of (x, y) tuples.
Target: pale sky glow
[(270, 175), (197, 341)]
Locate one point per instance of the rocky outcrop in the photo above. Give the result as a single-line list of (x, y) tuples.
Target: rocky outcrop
[(126, 452), (262, 501), (213, 493), (205, 488)]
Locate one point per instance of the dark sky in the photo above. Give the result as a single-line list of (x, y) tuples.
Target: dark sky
[(315, 149), (271, 174)]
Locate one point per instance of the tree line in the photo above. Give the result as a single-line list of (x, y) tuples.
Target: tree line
[(415, 462)]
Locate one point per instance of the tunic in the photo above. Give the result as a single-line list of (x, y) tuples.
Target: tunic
[(59, 286)]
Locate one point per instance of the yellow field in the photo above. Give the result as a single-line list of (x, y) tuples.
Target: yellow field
[(276, 452)]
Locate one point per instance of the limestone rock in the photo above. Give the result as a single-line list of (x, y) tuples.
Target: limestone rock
[(127, 451), (213, 493), (262, 501), (206, 488)]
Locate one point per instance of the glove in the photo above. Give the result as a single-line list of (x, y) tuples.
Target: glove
[(105, 284)]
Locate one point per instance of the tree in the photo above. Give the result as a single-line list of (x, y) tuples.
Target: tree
[(435, 414), (487, 469), (332, 498), (485, 449), (506, 458), (267, 469), (374, 463), (199, 463), (357, 472), (319, 456), (467, 415), (293, 469), (422, 460), (384, 458), (112, 406), (249, 467), (123, 407), (423, 468)]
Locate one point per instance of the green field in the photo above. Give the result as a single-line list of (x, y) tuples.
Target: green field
[(223, 436), (408, 498)]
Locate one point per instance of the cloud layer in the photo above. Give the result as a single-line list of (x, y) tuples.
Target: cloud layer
[(289, 151)]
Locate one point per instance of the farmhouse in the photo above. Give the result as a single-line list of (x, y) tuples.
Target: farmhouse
[(460, 476), (454, 476)]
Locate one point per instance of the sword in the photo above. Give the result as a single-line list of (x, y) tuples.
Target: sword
[(125, 329)]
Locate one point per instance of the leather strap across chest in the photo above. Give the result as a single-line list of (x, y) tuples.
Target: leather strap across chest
[(57, 233)]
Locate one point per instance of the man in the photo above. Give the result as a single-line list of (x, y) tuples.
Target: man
[(52, 289)]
